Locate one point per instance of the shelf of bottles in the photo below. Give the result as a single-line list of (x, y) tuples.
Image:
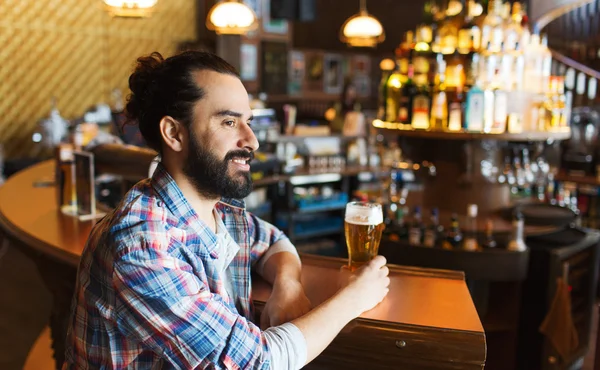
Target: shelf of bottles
[(470, 74)]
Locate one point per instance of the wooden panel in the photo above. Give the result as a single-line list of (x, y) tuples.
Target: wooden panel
[(73, 50)]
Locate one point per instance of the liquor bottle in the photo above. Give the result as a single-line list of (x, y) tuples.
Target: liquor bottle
[(431, 233), (488, 109), (65, 179), (386, 72), (448, 33), (489, 241), (488, 66), (455, 71), (454, 236), (475, 109), (474, 11), (470, 242), (393, 94), (455, 108), (473, 71), (500, 111), (440, 228), (401, 224), (518, 68), (517, 243), (514, 30), (533, 65), (426, 30), (491, 29), (465, 39), (420, 108), (546, 57), (415, 233), (439, 103), (409, 90), (555, 105)]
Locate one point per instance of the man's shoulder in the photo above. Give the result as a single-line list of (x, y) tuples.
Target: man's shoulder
[(141, 213)]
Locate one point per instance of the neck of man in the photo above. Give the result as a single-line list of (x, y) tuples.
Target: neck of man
[(202, 205)]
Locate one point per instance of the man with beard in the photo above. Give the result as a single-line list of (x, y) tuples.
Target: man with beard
[(164, 280)]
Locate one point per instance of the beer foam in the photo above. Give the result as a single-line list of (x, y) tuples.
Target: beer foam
[(364, 214)]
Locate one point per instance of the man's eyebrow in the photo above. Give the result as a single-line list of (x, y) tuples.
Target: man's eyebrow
[(232, 113)]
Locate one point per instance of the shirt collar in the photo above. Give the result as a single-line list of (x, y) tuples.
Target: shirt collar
[(170, 193)]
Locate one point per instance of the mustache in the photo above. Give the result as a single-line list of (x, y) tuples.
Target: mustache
[(240, 154)]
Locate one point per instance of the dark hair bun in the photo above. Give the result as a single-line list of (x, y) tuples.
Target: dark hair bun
[(142, 83)]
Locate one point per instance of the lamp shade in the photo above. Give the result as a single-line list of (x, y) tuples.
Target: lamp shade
[(362, 30), (130, 8), (231, 18)]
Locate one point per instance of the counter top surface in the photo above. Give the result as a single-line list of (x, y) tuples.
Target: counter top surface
[(422, 297)]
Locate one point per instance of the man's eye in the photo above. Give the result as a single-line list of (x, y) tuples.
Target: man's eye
[(230, 123)]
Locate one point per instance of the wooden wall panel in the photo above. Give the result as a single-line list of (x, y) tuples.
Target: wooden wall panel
[(74, 50)]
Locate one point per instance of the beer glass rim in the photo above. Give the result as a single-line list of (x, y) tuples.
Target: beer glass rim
[(364, 204)]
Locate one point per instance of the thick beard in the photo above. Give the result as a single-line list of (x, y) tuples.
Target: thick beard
[(210, 175)]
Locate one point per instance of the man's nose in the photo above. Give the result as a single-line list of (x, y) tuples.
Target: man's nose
[(247, 138)]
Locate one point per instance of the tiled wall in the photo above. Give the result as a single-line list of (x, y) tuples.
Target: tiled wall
[(73, 50)]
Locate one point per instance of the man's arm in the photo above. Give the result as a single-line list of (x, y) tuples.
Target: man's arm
[(319, 327), (287, 300), (364, 290)]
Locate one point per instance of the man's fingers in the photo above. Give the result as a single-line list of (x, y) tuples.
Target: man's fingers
[(379, 261)]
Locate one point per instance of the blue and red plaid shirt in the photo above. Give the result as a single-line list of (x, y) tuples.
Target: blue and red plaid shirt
[(148, 296)]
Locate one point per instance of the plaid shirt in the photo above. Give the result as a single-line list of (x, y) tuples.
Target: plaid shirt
[(149, 296)]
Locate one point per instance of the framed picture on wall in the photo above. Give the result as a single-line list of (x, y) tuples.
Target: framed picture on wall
[(361, 65), (275, 67), (248, 62), (362, 84), (332, 73), (313, 73), (277, 26)]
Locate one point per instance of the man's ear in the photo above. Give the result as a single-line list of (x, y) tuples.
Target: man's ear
[(173, 133)]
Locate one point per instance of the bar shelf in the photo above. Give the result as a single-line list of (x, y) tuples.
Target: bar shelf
[(405, 130)]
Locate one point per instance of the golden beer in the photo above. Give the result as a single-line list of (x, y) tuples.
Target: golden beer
[(363, 226)]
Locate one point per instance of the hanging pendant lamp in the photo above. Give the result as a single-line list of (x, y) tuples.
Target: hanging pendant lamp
[(130, 8), (231, 17), (362, 29)]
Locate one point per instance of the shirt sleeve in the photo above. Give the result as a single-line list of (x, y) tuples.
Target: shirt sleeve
[(161, 302), (283, 245), (287, 345), (262, 236)]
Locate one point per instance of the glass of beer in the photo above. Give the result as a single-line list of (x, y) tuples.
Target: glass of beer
[(363, 226)]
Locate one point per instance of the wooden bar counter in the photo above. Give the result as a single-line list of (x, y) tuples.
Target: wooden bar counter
[(428, 320)]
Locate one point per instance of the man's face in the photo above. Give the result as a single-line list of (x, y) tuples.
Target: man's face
[(221, 142)]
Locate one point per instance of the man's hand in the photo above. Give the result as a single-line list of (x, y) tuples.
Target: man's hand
[(286, 303)]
